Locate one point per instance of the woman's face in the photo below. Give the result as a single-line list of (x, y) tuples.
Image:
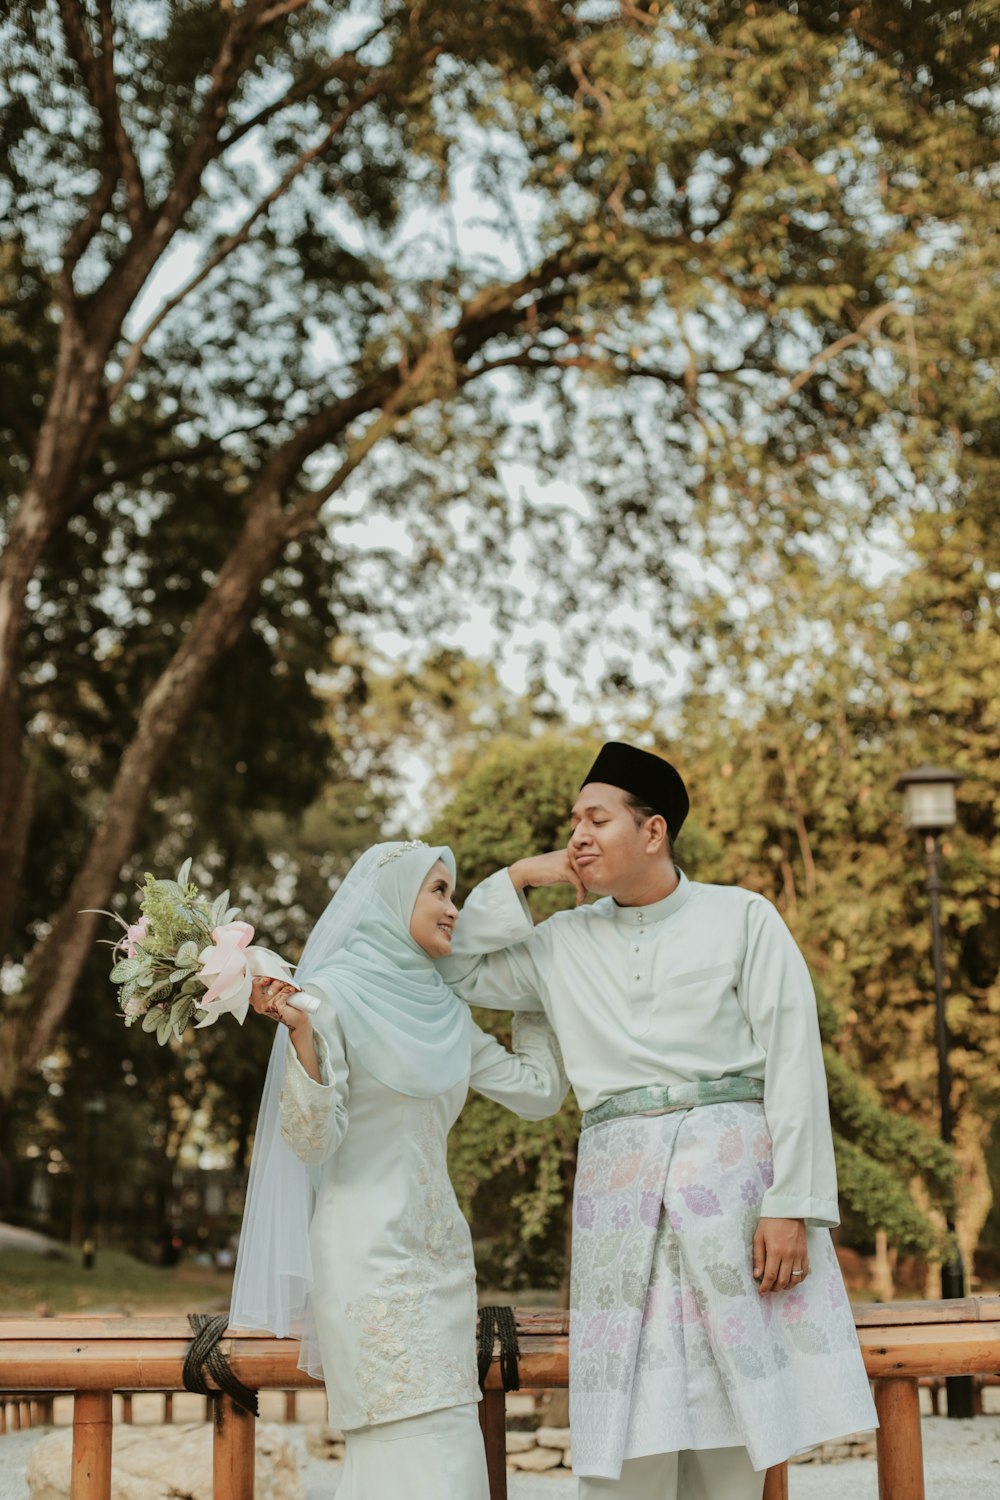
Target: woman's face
[(434, 915)]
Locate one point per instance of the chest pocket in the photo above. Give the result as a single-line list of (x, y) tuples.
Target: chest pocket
[(699, 976)]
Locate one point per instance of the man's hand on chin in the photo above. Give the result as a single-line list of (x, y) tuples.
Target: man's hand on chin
[(556, 868)]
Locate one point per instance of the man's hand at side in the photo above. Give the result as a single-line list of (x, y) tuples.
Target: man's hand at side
[(779, 1251)]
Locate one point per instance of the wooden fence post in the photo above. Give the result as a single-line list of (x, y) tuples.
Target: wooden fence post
[(91, 1473), (776, 1483), (900, 1454), (233, 1451), (493, 1421)]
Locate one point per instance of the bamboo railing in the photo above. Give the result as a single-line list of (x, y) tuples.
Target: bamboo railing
[(94, 1357)]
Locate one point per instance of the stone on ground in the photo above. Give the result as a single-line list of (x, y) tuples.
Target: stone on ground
[(164, 1463), (536, 1460)]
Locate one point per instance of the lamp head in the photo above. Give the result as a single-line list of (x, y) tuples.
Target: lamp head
[(928, 799)]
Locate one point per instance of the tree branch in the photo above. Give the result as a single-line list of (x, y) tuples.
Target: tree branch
[(278, 11), (115, 126), (82, 53), (241, 235), (146, 462), (864, 328), (98, 73)]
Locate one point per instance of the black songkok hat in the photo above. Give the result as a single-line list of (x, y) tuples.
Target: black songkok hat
[(652, 780)]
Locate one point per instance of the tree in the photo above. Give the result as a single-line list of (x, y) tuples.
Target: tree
[(719, 236), (796, 787)]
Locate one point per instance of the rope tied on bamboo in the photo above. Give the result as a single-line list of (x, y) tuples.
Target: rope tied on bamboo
[(498, 1323), (204, 1351)]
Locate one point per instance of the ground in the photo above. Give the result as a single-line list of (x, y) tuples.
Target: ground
[(40, 1278)]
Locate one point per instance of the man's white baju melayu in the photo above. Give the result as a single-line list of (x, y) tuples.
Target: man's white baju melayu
[(672, 1347)]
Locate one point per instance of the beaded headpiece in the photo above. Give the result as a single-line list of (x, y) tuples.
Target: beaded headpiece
[(405, 848)]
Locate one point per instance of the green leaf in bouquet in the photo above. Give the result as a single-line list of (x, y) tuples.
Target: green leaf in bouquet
[(184, 873), (151, 1019), (193, 987), (187, 954), (126, 969), (164, 1027), (159, 991), (218, 908), (178, 975), (230, 915), (182, 1015)]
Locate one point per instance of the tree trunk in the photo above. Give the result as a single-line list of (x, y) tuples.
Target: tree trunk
[(55, 963), (883, 1268), (74, 421)]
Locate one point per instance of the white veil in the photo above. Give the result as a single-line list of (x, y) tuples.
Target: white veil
[(274, 1275)]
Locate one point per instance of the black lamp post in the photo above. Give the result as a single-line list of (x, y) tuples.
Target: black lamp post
[(929, 809), (94, 1106)]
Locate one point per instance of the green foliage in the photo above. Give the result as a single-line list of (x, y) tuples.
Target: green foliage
[(879, 1134), (514, 1177), (872, 1193), (515, 801), (781, 243), (796, 788)]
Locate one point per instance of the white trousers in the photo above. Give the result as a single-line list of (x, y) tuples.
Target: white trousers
[(693, 1474), (436, 1456)]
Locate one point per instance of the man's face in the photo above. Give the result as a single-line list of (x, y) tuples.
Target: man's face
[(606, 846)]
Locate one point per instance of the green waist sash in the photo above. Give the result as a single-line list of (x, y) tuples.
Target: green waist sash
[(663, 1099)]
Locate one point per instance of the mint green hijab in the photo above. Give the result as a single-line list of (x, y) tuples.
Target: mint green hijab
[(402, 1022)]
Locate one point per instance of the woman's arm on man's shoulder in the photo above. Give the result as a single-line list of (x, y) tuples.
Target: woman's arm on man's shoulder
[(529, 1079)]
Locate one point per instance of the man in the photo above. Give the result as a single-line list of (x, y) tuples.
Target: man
[(710, 1332)]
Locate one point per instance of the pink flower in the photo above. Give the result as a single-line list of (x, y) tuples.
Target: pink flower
[(226, 958), (733, 1331), (794, 1306), (133, 936), (226, 971)]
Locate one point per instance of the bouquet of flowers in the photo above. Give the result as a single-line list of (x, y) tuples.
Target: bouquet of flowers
[(187, 954)]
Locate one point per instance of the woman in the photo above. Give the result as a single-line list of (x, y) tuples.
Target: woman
[(379, 1272)]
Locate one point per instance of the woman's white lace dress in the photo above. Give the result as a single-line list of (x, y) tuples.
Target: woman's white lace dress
[(394, 1293)]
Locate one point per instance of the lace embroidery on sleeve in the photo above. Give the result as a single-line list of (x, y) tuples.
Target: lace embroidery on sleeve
[(307, 1111)]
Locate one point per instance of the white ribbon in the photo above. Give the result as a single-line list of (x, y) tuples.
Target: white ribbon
[(229, 967)]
